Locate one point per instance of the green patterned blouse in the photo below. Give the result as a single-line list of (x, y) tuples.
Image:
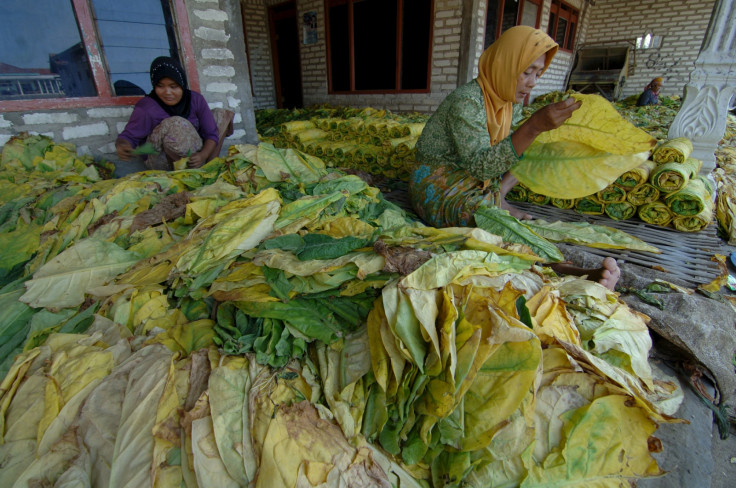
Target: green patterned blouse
[(457, 136)]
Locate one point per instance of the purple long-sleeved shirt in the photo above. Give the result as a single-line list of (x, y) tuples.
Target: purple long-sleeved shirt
[(147, 114)]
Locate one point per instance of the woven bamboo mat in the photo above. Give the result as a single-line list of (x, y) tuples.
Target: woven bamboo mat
[(686, 256)]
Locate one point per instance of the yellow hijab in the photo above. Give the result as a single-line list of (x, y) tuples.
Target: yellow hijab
[(499, 68)]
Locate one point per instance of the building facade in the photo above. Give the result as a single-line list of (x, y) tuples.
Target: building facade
[(401, 55)]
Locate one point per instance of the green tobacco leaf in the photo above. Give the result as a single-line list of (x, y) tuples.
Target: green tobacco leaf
[(349, 183), (286, 242), (18, 247), (312, 318), (276, 279), (597, 236), (15, 319), (501, 223), (322, 246), (146, 148)]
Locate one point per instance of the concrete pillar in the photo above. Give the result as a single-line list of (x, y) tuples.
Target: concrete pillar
[(711, 89), (472, 23)]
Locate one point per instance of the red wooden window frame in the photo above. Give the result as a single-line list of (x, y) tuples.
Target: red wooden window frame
[(571, 14), (105, 96), (399, 20), (539, 5), (519, 14)]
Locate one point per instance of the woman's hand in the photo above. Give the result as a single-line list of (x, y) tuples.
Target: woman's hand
[(546, 118), (124, 149), (196, 160), (554, 115)]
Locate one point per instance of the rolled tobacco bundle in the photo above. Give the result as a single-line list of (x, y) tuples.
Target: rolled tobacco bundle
[(620, 210), (590, 205), (655, 213), (691, 199), (695, 223), (636, 177), (537, 198), (640, 195), (670, 177), (611, 194), (673, 150), (518, 193), (564, 203)]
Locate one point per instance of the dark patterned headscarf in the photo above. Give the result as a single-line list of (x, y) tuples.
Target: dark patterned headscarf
[(167, 67)]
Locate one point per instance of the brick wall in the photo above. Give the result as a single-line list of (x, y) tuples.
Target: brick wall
[(444, 66), (313, 56), (444, 70), (681, 23), (259, 53), (217, 37), (447, 50), (219, 49)]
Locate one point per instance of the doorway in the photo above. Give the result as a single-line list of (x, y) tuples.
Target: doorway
[(287, 72)]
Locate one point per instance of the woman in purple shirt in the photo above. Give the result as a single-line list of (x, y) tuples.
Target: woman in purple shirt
[(175, 120)]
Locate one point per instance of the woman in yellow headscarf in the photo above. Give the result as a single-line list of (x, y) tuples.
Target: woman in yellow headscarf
[(467, 147), (650, 95)]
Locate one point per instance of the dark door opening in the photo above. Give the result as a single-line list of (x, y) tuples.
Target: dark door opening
[(287, 71)]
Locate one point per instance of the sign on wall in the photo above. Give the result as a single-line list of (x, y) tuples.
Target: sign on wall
[(309, 27)]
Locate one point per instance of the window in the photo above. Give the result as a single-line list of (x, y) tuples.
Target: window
[(648, 42), (502, 14), (563, 22), (81, 53), (379, 45)]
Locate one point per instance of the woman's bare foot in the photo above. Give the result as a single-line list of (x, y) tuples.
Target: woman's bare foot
[(607, 275), (515, 212), (507, 183)]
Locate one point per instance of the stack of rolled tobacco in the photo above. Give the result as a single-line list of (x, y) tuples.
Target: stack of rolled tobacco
[(376, 141), (665, 191)]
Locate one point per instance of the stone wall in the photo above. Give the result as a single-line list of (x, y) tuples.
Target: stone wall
[(217, 37)]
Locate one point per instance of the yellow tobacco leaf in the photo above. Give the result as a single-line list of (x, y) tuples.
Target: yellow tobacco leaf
[(207, 463), (199, 209), (571, 169), (167, 431), (229, 386), (550, 318), (73, 367), (611, 427), (503, 374), (380, 359), (598, 124), (188, 337), (301, 449), (18, 448), (260, 292), (237, 227), (155, 306), (722, 278), (347, 226)]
